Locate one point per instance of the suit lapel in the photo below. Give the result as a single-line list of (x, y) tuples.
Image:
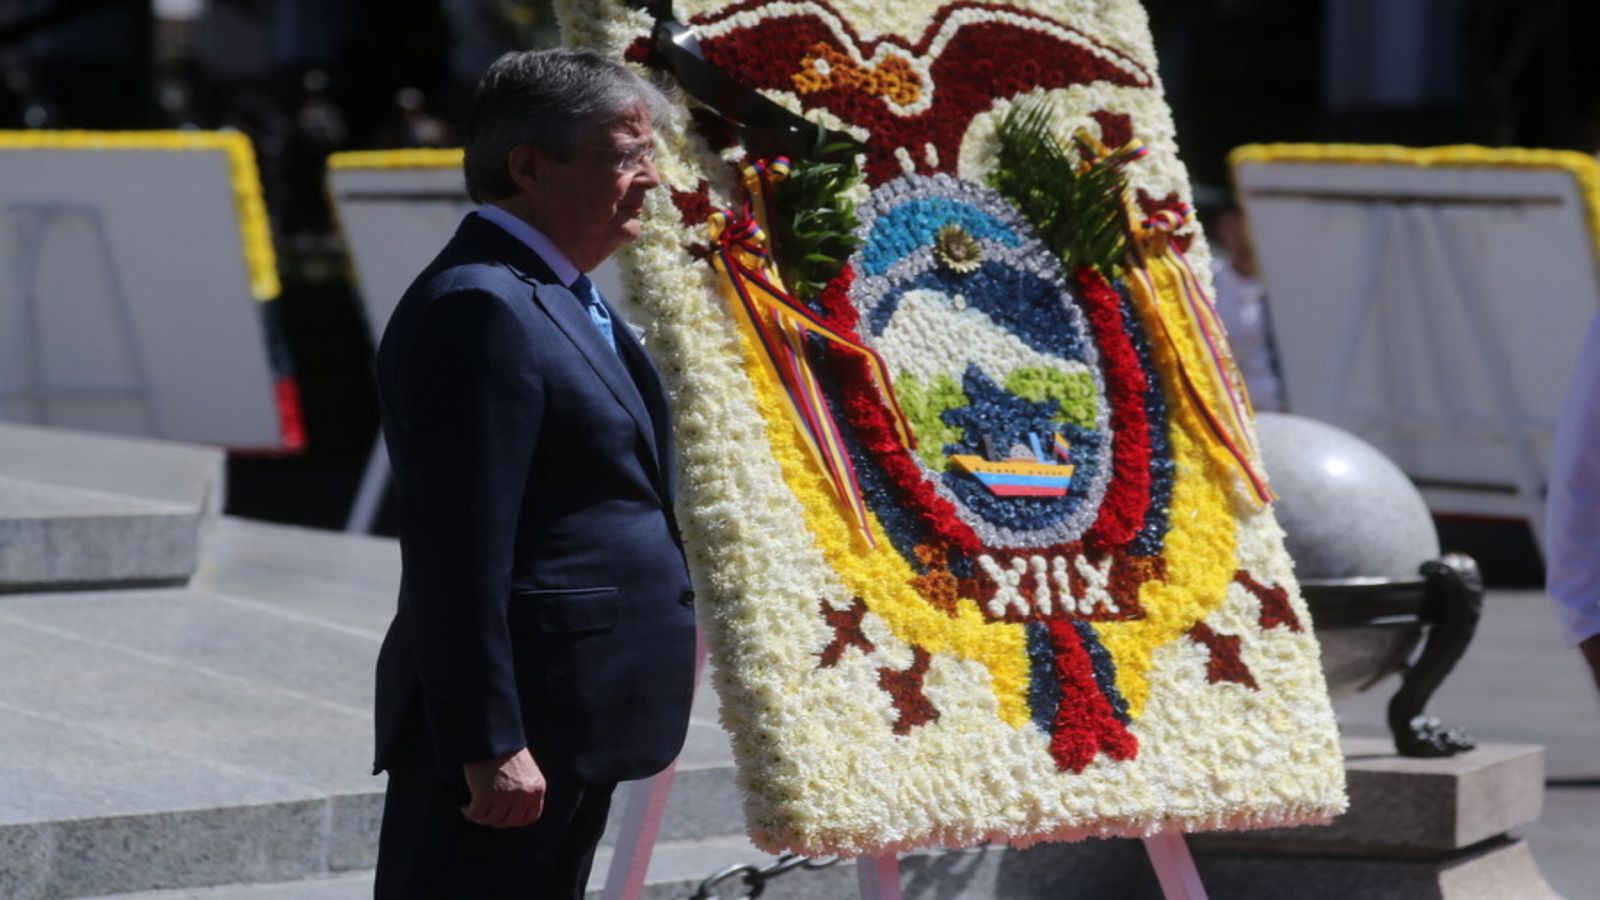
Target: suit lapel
[(568, 314), (648, 379)]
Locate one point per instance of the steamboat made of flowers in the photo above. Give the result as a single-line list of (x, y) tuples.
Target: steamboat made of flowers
[(1025, 474)]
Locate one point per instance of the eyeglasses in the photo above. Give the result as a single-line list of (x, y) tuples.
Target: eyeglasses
[(634, 162)]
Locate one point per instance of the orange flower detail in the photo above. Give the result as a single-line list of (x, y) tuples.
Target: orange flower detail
[(826, 68), (939, 587)]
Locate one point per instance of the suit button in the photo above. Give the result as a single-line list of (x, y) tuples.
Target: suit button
[(686, 598)]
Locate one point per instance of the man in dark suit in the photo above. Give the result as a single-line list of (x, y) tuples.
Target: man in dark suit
[(543, 648)]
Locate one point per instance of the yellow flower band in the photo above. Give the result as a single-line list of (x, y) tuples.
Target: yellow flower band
[(1583, 168), (426, 158)]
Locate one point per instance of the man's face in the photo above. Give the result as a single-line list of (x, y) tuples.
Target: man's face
[(593, 199)]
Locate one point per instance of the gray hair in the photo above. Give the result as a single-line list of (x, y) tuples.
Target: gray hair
[(547, 99)]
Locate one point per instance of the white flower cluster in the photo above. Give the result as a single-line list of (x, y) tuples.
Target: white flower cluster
[(1052, 593)]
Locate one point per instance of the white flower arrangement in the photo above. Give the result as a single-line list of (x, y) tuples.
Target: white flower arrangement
[(809, 631)]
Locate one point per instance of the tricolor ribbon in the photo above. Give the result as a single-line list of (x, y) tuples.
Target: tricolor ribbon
[(1093, 152), (1156, 262), (781, 326), (1158, 268)]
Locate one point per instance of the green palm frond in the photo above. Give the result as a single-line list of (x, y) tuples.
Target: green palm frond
[(1078, 214), (815, 220)]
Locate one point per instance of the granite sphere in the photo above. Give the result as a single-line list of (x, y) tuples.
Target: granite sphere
[(1346, 510)]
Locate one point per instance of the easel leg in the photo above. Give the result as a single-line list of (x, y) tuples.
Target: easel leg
[(645, 805), (879, 877), (369, 497), (641, 824), (1175, 870), (1528, 466)]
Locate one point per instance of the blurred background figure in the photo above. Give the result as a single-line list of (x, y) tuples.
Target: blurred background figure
[(1242, 303), (319, 129), (411, 125), (1572, 513), (21, 106)]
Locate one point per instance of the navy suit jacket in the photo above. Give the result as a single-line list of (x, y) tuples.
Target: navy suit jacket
[(544, 600)]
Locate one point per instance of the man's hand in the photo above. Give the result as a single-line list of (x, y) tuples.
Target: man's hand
[(507, 792)]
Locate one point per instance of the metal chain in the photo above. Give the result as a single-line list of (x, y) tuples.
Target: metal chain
[(755, 878)]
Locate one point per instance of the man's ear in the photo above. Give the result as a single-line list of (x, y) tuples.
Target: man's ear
[(525, 163)]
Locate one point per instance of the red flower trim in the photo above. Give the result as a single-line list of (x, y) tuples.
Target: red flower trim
[(869, 49), (1275, 608), (1085, 724), (694, 207), (905, 689), (1116, 129), (847, 633), (642, 52), (1225, 664), (1127, 499)]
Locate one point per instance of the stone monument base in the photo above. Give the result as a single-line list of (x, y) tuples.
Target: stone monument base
[(1416, 829)]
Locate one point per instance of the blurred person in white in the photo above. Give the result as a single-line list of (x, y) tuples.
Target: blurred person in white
[(1242, 303), (1572, 508)]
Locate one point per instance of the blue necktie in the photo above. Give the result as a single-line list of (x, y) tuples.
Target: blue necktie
[(586, 292)]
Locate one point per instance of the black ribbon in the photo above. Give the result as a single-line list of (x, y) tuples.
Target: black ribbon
[(765, 129)]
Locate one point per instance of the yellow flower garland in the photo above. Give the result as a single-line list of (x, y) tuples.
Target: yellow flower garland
[(1199, 545), (1584, 169), (413, 158)]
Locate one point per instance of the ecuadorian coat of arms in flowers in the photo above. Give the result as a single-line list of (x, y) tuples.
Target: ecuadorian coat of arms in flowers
[(969, 471)]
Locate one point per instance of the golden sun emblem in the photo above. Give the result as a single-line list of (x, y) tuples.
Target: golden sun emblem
[(958, 250)]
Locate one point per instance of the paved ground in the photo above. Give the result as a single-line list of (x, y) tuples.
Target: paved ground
[(277, 632)]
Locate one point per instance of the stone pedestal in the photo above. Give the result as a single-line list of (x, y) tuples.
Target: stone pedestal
[(1416, 829)]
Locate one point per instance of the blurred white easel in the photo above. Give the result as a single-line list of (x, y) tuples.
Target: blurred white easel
[(1431, 302)]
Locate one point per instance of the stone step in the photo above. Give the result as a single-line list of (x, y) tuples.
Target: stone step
[(82, 510), (221, 732), (187, 475), (59, 538), (208, 734)]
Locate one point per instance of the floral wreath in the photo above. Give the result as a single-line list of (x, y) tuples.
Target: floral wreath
[(962, 439)]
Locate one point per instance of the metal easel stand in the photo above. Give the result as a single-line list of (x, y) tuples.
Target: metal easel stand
[(34, 221), (369, 497), (1458, 288), (645, 802), (878, 877)]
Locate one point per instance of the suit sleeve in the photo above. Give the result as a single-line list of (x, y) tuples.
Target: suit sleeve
[(1572, 512), (471, 431)]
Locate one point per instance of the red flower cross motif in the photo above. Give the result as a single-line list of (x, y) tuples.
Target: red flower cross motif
[(847, 633), (1225, 664), (1275, 608), (905, 689)]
